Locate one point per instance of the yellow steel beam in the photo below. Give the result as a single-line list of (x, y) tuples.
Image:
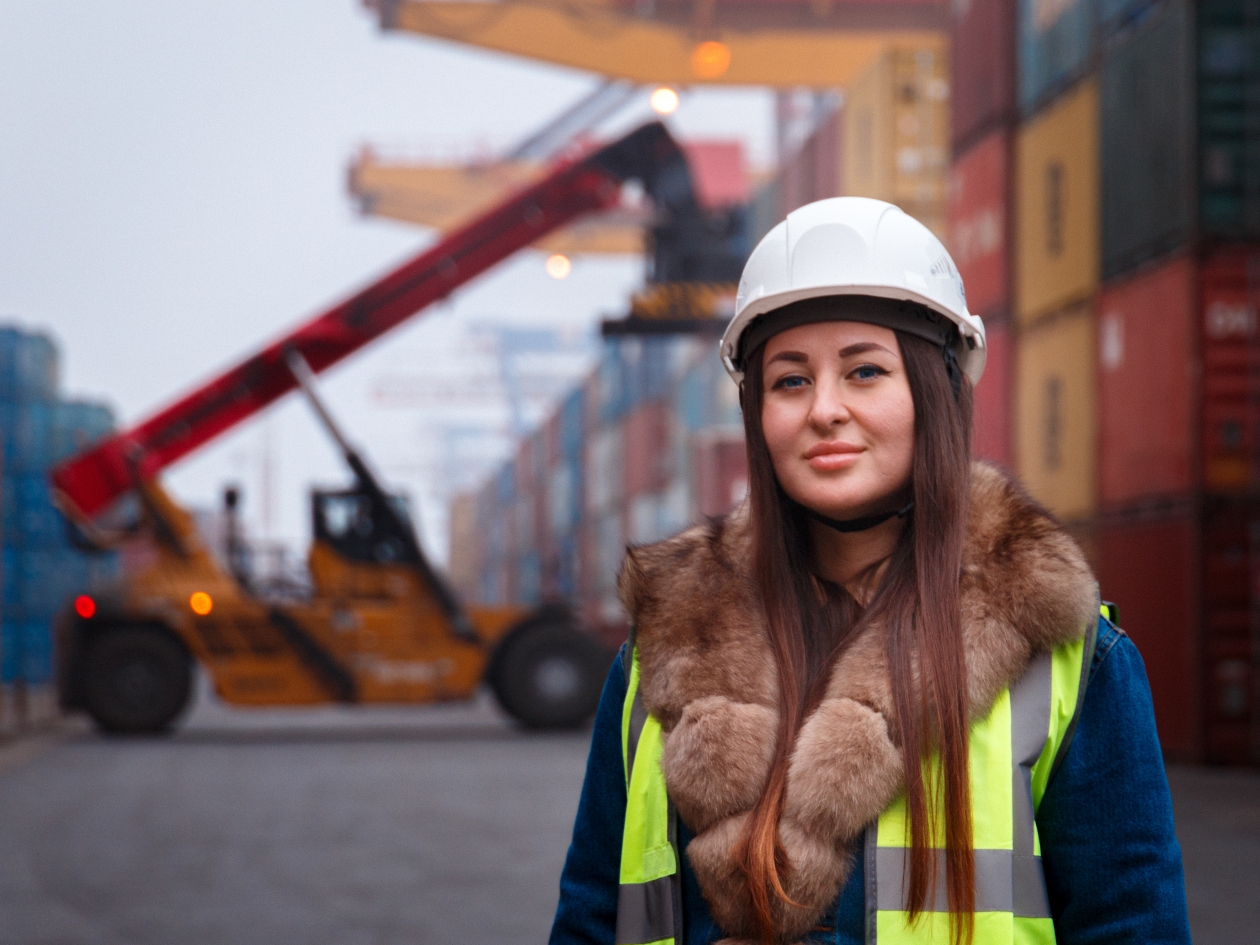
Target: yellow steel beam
[(443, 197), (783, 44)]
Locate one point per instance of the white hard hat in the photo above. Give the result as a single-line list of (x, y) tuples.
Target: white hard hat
[(855, 246)]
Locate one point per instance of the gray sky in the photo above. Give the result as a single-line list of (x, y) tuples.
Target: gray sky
[(172, 195)]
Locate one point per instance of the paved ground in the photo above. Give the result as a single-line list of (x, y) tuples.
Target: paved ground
[(339, 827)]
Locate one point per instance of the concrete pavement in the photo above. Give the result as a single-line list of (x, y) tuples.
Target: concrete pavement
[(341, 827)]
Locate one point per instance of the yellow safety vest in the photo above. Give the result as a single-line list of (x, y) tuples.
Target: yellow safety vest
[(1013, 752)]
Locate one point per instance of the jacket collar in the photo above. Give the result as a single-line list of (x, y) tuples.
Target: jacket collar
[(707, 674)]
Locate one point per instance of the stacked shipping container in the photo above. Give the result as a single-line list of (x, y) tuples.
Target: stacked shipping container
[(650, 442), (1105, 214), (40, 570)]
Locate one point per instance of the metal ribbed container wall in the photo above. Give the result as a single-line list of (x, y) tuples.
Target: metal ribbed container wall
[(1148, 567), (813, 173), (646, 451), (1056, 41), (1147, 141), (991, 425), (721, 471), (982, 68), (979, 221), (1185, 581), (1230, 304), (29, 368), (1055, 412), (1147, 379), (1229, 118), (1056, 192)]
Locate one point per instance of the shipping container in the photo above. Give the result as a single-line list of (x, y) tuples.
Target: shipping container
[(813, 172), (1055, 412), (604, 471), (721, 471), (1148, 567), (979, 222), (1056, 215), (1147, 145), (1229, 282), (982, 61), (646, 453), (1228, 110), (465, 547), (573, 424), (896, 133), (766, 210), (29, 366), (1056, 44), (991, 423), (1147, 385)]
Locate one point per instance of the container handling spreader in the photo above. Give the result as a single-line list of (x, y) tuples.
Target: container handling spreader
[(377, 624)]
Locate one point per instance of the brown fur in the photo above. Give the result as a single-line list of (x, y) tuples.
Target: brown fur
[(707, 674)]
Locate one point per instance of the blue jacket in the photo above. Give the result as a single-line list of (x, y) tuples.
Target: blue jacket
[(1111, 858)]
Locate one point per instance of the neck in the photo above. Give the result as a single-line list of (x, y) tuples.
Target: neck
[(844, 557)]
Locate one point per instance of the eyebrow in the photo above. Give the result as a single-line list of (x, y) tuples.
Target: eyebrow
[(861, 348), (797, 357)]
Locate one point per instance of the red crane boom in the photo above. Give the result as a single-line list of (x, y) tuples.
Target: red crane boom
[(91, 481)]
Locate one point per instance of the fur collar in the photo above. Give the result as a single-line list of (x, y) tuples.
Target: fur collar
[(708, 676)]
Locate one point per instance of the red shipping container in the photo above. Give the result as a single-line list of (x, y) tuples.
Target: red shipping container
[(813, 173), (721, 472), (718, 172), (1146, 380), (979, 224), (1149, 569), (982, 65), (991, 421), (646, 456), (1230, 305)]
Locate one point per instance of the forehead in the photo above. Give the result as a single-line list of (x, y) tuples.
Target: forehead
[(828, 338)]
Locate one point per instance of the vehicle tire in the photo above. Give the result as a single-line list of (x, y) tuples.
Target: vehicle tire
[(136, 680), (549, 676)]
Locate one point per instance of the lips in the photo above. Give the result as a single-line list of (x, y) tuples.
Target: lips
[(831, 448)]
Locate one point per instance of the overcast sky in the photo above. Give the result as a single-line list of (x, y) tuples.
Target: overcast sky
[(172, 194)]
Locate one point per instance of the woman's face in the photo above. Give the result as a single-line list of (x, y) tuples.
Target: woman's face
[(838, 416)]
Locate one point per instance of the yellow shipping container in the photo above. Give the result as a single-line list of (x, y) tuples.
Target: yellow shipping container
[(1056, 412), (1056, 206), (896, 133)]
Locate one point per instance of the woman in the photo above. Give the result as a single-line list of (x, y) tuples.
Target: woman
[(877, 703)]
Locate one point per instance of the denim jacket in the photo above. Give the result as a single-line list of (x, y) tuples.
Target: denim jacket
[(1111, 858)]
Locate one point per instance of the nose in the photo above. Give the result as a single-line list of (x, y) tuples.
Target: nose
[(829, 407)]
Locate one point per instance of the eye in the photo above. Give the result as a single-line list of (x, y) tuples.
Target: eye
[(868, 372), (789, 382)]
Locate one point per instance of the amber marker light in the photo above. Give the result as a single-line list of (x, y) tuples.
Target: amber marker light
[(664, 100), (201, 603), (710, 60), (559, 266), (85, 607)]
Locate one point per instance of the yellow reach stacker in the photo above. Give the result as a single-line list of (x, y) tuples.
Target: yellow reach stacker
[(378, 624)]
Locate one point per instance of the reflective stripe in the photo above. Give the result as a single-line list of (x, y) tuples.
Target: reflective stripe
[(998, 875), (1030, 729), (645, 912), (649, 899)]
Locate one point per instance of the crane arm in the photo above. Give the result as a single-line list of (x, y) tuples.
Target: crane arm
[(89, 482)]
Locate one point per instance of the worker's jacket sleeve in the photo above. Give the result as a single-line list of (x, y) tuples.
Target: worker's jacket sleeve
[(1112, 861), (587, 912)]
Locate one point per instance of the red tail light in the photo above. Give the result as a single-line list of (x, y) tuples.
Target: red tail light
[(85, 607)]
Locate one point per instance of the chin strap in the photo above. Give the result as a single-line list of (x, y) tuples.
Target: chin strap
[(858, 524)]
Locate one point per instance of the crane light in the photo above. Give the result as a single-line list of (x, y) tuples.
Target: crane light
[(559, 266), (201, 603), (85, 607), (710, 60), (664, 100)]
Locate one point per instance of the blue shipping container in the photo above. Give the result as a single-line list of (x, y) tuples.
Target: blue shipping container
[(1056, 41), (571, 423), (28, 366)]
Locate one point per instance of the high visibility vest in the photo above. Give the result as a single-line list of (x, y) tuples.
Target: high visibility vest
[(1013, 752)]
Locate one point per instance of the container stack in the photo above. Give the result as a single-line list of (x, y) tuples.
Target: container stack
[(1178, 355), (649, 443), (1105, 215), (40, 569)]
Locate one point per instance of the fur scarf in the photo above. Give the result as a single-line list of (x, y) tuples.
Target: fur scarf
[(707, 674)]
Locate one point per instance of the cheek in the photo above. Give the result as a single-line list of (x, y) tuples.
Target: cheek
[(781, 425), (896, 430)]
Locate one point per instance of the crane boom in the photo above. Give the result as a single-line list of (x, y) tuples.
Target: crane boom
[(91, 481)]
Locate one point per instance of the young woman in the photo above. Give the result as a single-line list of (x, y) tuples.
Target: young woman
[(877, 703)]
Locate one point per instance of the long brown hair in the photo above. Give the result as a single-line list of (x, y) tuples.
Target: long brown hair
[(918, 599)]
